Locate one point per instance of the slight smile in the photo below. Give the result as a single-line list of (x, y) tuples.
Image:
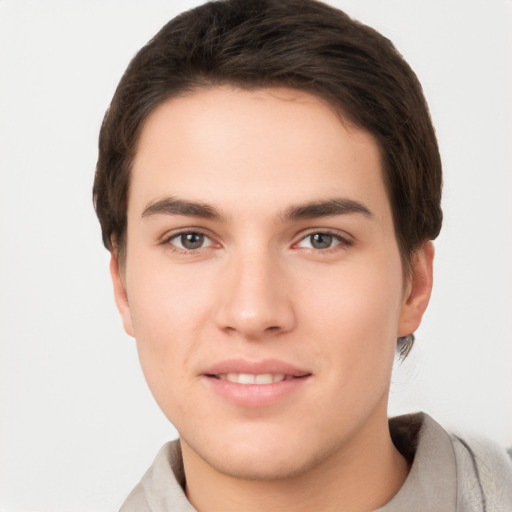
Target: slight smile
[(254, 383), (249, 378)]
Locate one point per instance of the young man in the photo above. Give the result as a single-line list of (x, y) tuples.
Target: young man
[(269, 185)]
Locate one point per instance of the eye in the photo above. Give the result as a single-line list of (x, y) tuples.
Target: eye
[(190, 241), (321, 241)]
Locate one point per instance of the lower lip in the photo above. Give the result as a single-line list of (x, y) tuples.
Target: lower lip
[(255, 395)]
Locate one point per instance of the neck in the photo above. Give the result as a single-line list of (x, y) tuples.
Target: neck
[(340, 482)]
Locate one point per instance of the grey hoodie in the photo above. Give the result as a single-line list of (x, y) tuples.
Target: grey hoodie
[(448, 474)]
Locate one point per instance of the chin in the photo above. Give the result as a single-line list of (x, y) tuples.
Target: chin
[(266, 458), (256, 467)]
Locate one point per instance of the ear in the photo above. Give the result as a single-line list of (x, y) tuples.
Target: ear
[(120, 295), (418, 290)]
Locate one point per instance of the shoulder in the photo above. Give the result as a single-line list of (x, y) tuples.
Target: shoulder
[(484, 471), (162, 486), (136, 501), (450, 472)]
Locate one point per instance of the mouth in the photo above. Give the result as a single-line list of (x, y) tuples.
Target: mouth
[(260, 378), (256, 384)]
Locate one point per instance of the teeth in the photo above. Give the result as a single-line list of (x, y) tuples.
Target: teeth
[(248, 378), (264, 378)]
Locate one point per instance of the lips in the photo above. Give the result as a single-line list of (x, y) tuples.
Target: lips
[(254, 383), (249, 378), (241, 366)]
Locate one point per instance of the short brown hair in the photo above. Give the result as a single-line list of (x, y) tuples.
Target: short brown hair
[(302, 44)]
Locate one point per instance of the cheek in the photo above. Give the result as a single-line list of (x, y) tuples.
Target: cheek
[(358, 298), (167, 300), (353, 317), (169, 310)]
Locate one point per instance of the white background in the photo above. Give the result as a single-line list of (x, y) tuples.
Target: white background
[(78, 426)]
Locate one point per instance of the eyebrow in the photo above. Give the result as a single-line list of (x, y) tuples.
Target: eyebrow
[(328, 208), (312, 210), (173, 206)]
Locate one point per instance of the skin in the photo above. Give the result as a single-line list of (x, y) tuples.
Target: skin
[(258, 288)]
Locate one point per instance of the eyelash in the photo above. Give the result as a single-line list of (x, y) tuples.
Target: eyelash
[(167, 241), (343, 241)]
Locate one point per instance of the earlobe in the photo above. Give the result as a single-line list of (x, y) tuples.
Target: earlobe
[(120, 295), (417, 295)]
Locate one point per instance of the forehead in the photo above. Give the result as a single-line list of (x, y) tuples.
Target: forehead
[(248, 149)]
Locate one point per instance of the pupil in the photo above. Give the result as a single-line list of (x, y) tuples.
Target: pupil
[(321, 241), (192, 240)]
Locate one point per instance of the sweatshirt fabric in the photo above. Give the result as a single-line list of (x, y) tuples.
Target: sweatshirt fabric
[(448, 474)]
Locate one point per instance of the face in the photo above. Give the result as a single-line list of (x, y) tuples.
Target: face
[(263, 281)]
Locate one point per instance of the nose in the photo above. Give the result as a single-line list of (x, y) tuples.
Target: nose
[(254, 300)]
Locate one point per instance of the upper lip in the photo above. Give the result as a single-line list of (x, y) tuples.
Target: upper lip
[(263, 366)]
